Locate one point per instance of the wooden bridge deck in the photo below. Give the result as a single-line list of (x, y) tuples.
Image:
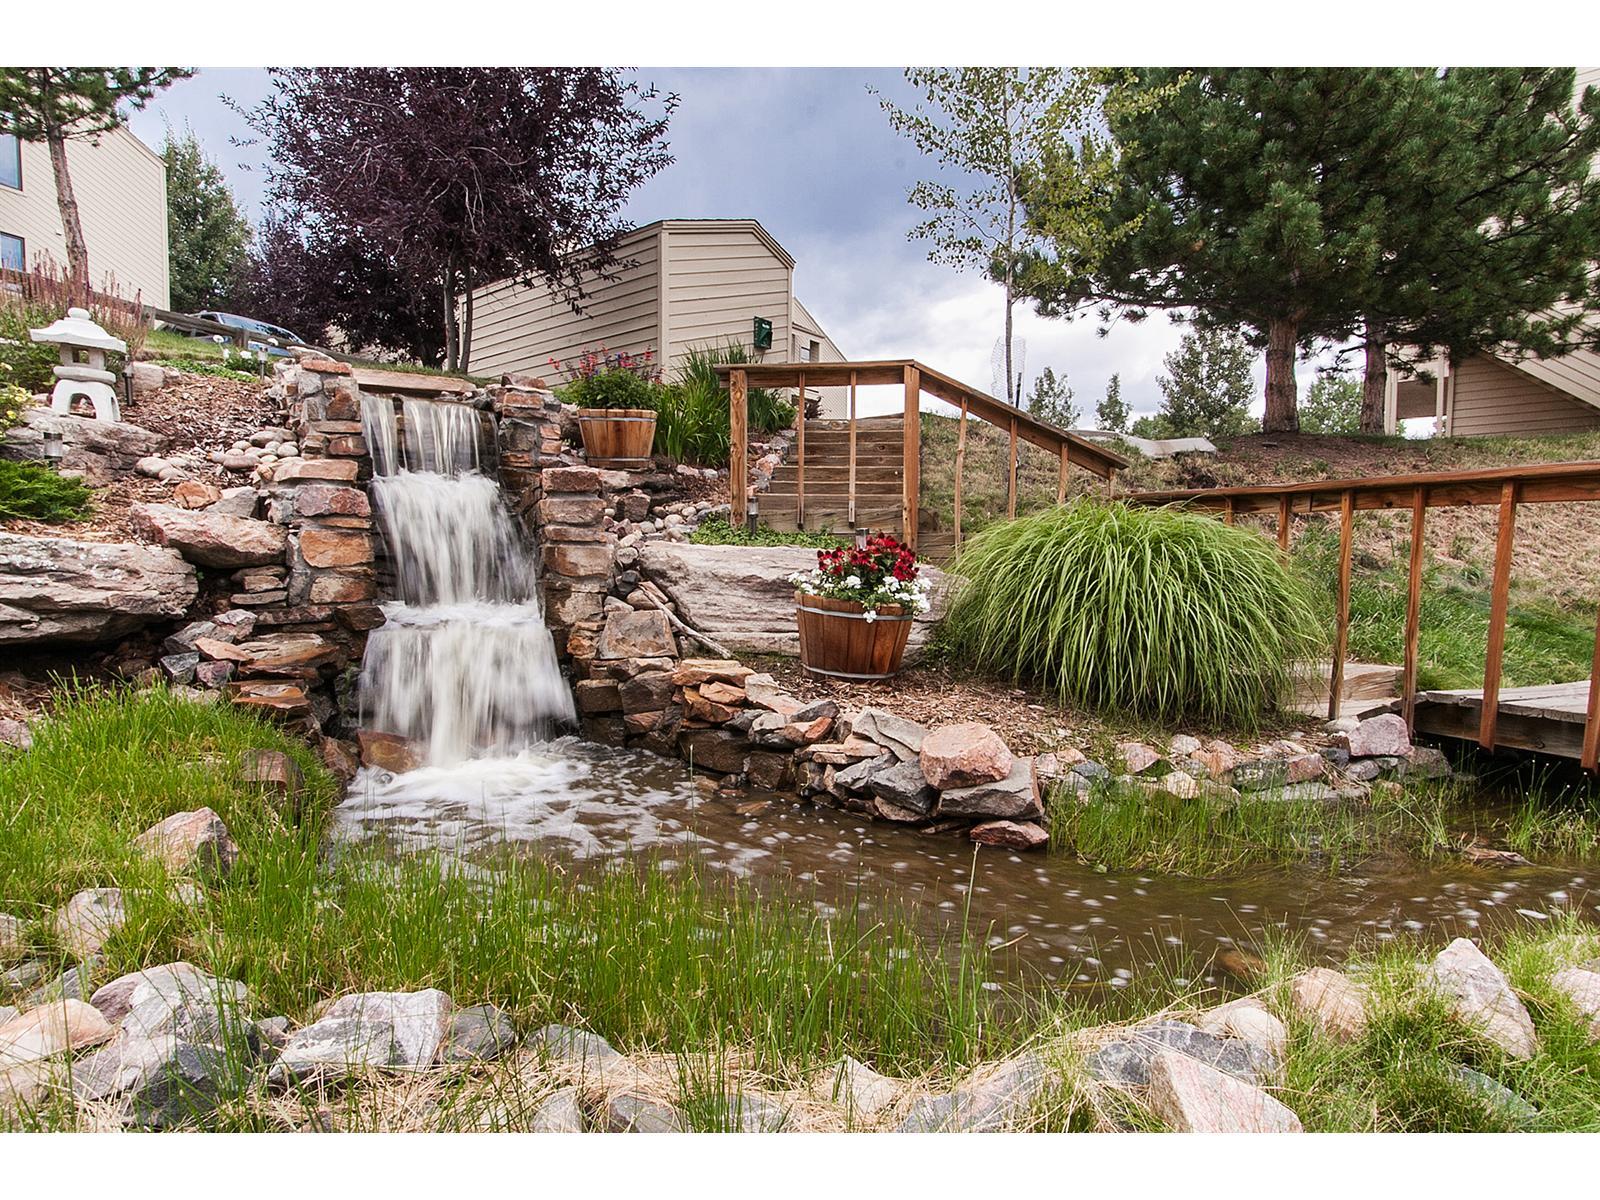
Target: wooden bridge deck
[(1548, 718)]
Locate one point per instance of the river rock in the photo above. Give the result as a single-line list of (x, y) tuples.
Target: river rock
[(56, 589), (1012, 835), (85, 922), (15, 735), (1137, 758), (186, 841), (901, 737), (1581, 985), (1014, 798), (741, 595), (1426, 762), (635, 634), (903, 785), (50, 1029), (1191, 1097), (13, 943), (1332, 1001), (1125, 1060), (478, 1034), (177, 999), (387, 751), (857, 1088), (714, 750), (393, 1030), (964, 755), (588, 1052), (162, 1081), (1500, 1100), (995, 1101), (192, 493), (1384, 735), (632, 1113), (1249, 1020), (1183, 745), (211, 539), (1480, 997)]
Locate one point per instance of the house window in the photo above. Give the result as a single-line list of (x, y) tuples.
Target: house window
[(10, 161), (13, 253)]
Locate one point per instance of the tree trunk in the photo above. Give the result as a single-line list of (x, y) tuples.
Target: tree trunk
[(452, 346), (1374, 385), (466, 327), (1283, 412), (71, 223)]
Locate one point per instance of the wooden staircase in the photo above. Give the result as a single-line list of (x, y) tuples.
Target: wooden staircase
[(880, 464)]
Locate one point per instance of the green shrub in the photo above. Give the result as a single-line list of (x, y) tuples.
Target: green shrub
[(717, 531), (692, 421), (24, 362), (613, 387), (36, 493), (1137, 610)]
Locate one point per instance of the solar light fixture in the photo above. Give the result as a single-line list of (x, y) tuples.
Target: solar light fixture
[(55, 448), (752, 516)]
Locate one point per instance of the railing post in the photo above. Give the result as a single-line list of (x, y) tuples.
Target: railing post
[(738, 446), (1284, 519), (1341, 635), (1590, 757), (911, 457), (1408, 677), (852, 503), (1011, 476), (800, 466), (961, 462), (1066, 464), (1227, 510), (1499, 603)]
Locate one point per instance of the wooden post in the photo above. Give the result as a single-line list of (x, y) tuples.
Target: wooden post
[(1283, 526), (1499, 602), (800, 465), (1590, 757), (1341, 633), (738, 446), (1408, 677), (1066, 464), (911, 457), (1011, 475), (852, 505), (961, 462), (1227, 510)]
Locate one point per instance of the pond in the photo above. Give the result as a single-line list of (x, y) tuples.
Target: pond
[(1056, 917)]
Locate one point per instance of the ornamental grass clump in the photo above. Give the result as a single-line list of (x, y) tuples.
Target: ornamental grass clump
[(1136, 610)]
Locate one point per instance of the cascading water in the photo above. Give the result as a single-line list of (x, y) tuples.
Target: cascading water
[(464, 665)]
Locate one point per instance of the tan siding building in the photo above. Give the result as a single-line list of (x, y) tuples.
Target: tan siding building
[(121, 188), (684, 284)]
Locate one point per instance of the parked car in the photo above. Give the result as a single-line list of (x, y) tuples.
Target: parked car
[(274, 338)]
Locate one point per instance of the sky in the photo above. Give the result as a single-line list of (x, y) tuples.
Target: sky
[(809, 154)]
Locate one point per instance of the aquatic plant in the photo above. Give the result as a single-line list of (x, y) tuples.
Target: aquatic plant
[(1145, 611)]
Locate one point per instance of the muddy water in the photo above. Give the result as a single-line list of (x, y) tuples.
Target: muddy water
[(1058, 918)]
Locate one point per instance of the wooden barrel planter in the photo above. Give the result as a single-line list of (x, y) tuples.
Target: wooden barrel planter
[(617, 437), (837, 640)]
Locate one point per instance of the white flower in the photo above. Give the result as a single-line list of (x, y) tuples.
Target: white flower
[(852, 581), (872, 615)]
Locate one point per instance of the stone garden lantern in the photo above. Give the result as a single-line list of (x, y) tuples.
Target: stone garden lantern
[(76, 333)]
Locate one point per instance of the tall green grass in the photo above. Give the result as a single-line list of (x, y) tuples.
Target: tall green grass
[(1144, 611), (692, 413)]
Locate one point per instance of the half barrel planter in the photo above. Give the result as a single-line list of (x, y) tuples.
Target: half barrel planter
[(617, 438), (838, 641)]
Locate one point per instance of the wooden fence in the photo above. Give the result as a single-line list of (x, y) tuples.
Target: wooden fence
[(1505, 487)]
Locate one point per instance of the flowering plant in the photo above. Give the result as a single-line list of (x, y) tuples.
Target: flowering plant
[(600, 379), (880, 574)]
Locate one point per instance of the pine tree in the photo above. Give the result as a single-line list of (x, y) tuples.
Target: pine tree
[(1207, 390), (1051, 400), (56, 104), (208, 238), (1112, 413)]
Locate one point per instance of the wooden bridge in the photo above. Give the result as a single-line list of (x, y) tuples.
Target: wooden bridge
[(1560, 719), (871, 468)]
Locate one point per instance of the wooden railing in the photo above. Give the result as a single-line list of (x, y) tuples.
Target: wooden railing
[(1505, 487), (1070, 449)]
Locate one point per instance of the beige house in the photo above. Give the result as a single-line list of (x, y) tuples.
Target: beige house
[(684, 284), (1490, 394), (121, 187)]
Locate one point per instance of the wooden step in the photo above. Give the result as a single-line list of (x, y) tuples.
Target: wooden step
[(833, 472)]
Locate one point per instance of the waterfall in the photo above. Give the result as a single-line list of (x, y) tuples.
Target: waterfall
[(464, 665)]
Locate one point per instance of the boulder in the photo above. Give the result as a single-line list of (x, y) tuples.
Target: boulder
[(1014, 798), (478, 1034), (1331, 1001), (295, 655), (195, 840), (741, 595), (986, 1103), (179, 1000), (1137, 758), (236, 502), (631, 1113), (692, 672), (1481, 998), (161, 1081), (100, 451), (55, 589), (903, 785), (558, 1112), (636, 634), (1125, 1061), (1013, 835), (1249, 1020), (1581, 985), (54, 1028), (856, 1088), (714, 750), (387, 751), (1384, 735), (763, 691), (192, 493), (211, 539), (13, 942), (1498, 1099), (1191, 1097), (1260, 775), (902, 737), (392, 1030), (589, 1054), (84, 923), (964, 755)]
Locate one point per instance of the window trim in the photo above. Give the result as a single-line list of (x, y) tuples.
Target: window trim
[(17, 142), (22, 242)]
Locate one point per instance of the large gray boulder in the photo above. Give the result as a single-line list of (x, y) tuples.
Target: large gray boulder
[(741, 595), (57, 590), (211, 539), (101, 451), (401, 1031)]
